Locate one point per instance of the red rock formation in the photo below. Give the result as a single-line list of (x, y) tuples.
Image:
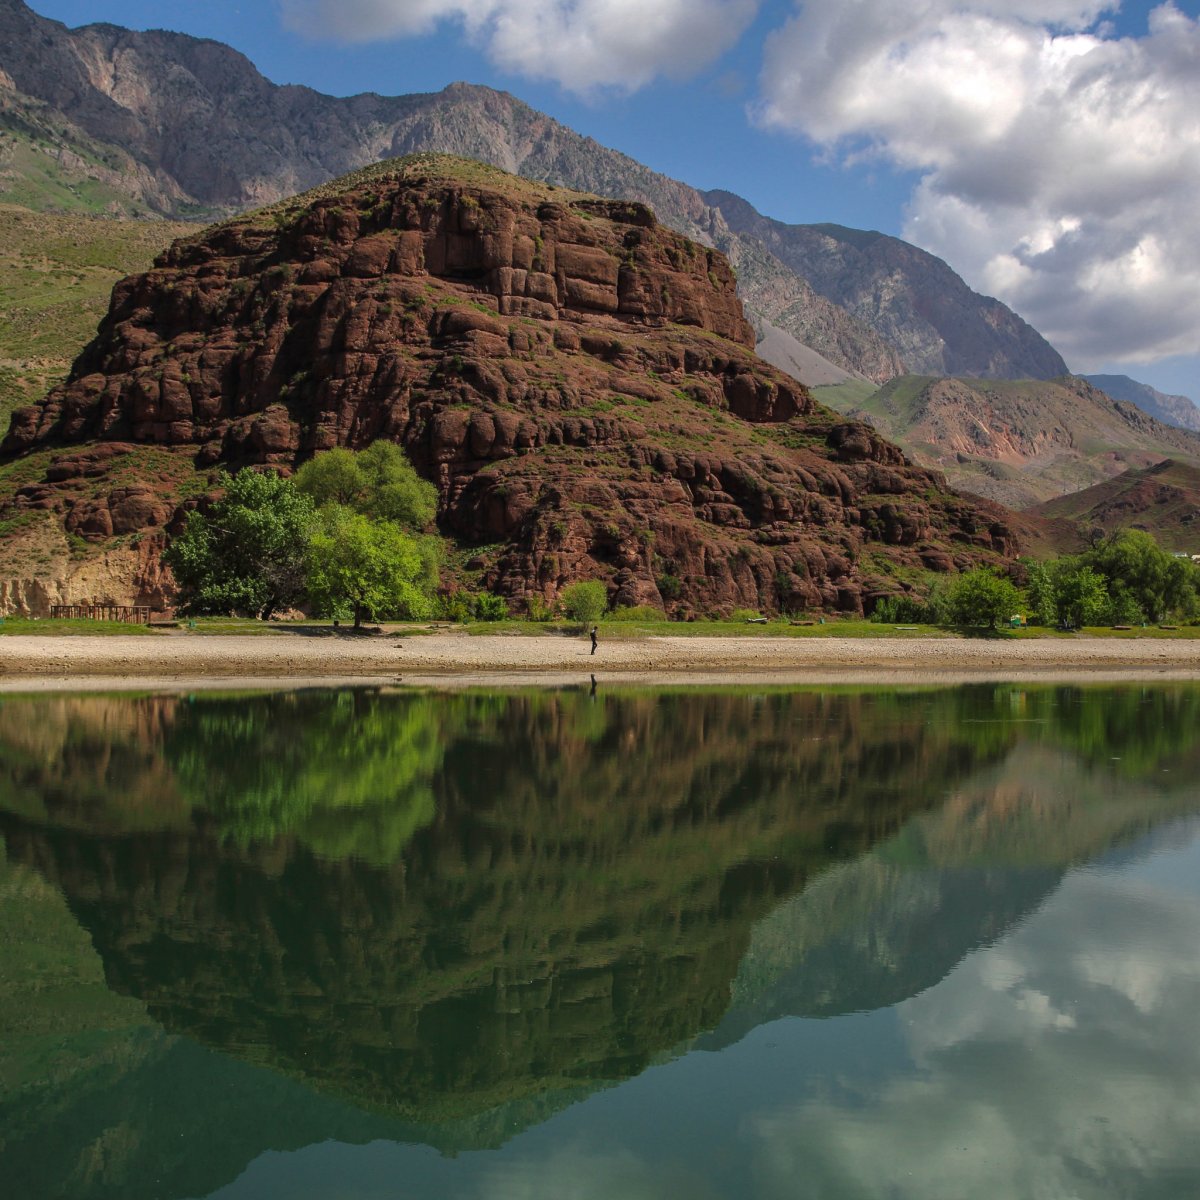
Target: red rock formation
[(577, 380)]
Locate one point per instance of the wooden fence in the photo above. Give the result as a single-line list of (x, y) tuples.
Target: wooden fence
[(129, 614)]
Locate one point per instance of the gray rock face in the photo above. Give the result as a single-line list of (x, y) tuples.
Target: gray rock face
[(1180, 411), (908, 296)]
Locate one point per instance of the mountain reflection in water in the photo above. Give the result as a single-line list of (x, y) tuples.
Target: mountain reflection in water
[(442, 918)]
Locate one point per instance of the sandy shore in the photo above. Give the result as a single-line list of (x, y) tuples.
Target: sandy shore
[(456, 659)]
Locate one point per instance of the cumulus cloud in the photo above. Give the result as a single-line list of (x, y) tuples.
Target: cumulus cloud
[(580, 44), (1059, 162), (1062, 1062)]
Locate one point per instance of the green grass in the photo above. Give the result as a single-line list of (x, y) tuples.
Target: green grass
[(56, 274), (622, 629), (899, 400), (49, 627), (34, 175), (612, 629), (844, 397)]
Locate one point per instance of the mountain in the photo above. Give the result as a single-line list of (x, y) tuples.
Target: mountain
[(1170, 410), (1163, 499), (577, 380), (914, 300), (1020, 442), (586, 912), (206, 133)]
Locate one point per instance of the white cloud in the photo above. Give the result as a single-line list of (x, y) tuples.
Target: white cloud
[(1062, 1062), (580, 44), (1059, 163)]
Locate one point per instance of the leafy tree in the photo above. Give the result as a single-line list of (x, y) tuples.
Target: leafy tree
[(1142, 575), (900, 610), (246, 554), (378, 482), (372, 568), (348, 774), (980, 597), (1068, 592), (1082, 595), (585, 601)]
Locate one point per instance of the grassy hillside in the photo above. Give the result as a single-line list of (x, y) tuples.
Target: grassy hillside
[(1163, 499), (56, 273), (1022, 441), (849, 396)]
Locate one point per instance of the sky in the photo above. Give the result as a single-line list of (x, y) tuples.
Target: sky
[(1048, 150)]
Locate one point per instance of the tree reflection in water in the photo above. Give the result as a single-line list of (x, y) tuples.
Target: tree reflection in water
[(439, 907)]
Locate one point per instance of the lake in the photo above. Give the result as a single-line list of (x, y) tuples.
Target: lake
[(601, 944)]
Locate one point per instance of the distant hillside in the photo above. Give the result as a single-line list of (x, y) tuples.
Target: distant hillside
[(56, 273), (192, 127), (1171, 410), (1017, 441), (911, 298), (1163, 499)]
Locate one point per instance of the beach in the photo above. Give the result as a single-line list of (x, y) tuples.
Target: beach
[(453, 658)]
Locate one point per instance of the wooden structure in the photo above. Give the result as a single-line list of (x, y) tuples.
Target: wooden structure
[(128, 614)]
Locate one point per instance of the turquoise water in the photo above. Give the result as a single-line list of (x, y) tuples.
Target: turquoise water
[(598, 944)]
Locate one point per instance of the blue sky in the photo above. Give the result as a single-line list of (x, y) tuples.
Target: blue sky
[(1047, 149)]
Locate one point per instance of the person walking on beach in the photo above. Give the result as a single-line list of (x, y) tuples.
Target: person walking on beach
[(595, 635)]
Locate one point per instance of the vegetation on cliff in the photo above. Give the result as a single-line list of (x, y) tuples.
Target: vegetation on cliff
[(57, 272), (576, 380)]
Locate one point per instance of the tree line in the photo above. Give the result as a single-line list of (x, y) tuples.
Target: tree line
[(1123, 579), (351, 535)]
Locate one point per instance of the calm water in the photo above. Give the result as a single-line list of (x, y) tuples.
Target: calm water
[(614, 946)]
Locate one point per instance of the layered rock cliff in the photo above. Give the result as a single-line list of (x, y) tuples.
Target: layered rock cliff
[(577, 380), (192, 124)]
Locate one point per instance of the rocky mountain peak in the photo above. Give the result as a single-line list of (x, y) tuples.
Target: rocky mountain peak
[(938, 325), (208, 134), (577, 380)]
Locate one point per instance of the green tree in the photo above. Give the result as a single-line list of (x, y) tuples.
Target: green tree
[(1066, 591), (348, 774), (980, 597), (372, 568), (246, 554), (1081, 595), (585, 601), (1040, 592), (378, 482), (1141, 574)]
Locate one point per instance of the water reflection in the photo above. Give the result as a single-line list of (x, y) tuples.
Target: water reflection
[(444, 918)]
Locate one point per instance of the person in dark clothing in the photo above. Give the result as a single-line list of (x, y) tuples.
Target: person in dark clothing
[(595, 635)]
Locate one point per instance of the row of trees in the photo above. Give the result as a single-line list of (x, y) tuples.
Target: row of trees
[(348, 534), (1126, 579)]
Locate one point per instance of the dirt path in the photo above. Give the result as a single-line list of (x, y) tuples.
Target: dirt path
[(457, 658)]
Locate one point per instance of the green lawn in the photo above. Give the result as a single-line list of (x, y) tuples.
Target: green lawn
[(26, 625), (610, 629)]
